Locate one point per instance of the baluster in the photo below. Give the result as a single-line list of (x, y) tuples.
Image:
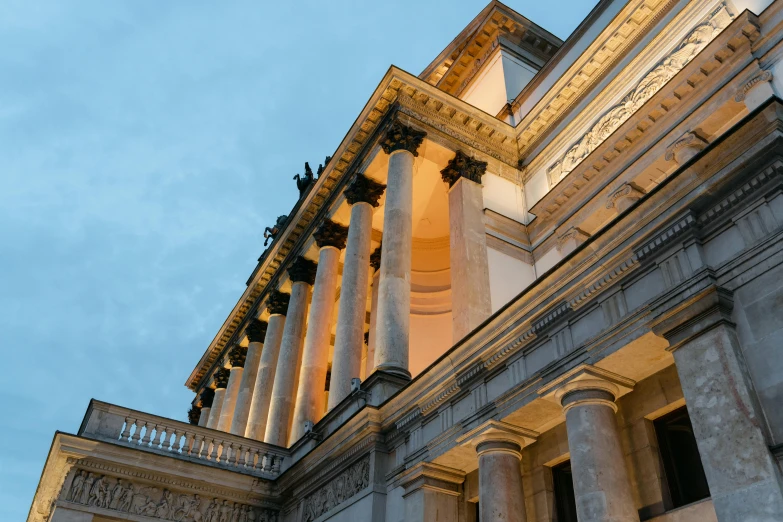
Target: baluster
[(136, 435), (214, 455), (251, 460), (267, 462), (241, 456), (276, 462), (190, 440), (228, 454), (175, 443), (198, 445), (129, 432), (162, 440), (126, 430), (145, 440)]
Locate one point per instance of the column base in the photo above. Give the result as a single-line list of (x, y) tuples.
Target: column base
[(393, 370)]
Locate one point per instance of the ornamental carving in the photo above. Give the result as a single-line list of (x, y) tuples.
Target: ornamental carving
[(331, 234), (647, 87), (277, 303), (402, 137), (221, 377), (237, 356), (194, 414), (689, 142), (375, 258), (256, 330), (364, 190), (302, 270), (341, 488), (463, 166), (623, 196), (758, 78), (206, 397), (123, 496)]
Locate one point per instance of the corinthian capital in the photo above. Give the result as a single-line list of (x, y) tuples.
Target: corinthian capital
[(256, 331), (277, 303), (302, 270), (237, 356), (206, 397), (364, 190), (194, 413), (402, 137), (375, 258), (221, 377), (463, 166), (331, 234)]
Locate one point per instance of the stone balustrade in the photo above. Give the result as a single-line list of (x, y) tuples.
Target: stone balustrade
[(146, 432)]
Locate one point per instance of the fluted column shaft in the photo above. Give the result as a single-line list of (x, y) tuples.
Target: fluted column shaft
[(246, 386), (288, 364), (265, 378), (500, 482), (394, 291), (315, 359), (601, 485), (349, 337)]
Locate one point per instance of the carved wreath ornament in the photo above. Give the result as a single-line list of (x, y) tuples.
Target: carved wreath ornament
[(115, 494)]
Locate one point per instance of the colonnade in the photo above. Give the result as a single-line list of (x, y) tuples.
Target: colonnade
[(744, 480), (276, 384)]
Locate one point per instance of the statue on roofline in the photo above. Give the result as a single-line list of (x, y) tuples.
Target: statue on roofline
[(303, 183), (271, 232)]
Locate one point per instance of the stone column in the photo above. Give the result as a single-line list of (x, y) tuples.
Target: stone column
[(221, 381), (310, 400), (744, 478), (206, 398), (236, 357), (372, 334), (394, 292), (255, 333), (601, 485), (363, 194), (500, 482), (470, 294), (277, 306), (302, 274)]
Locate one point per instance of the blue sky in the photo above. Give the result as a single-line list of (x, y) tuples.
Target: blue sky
[(144, 145)]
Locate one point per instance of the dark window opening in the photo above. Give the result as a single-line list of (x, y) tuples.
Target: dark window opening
[(681, 461), (477, 515), (565, 501)]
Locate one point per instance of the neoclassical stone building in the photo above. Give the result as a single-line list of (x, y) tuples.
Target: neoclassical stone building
[(540, 281)]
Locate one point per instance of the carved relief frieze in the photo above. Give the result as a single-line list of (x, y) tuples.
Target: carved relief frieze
[(341, 488), (645, 89), (113, 493)]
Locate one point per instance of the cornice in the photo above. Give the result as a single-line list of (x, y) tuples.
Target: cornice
[(628, 27), (651, 117)]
